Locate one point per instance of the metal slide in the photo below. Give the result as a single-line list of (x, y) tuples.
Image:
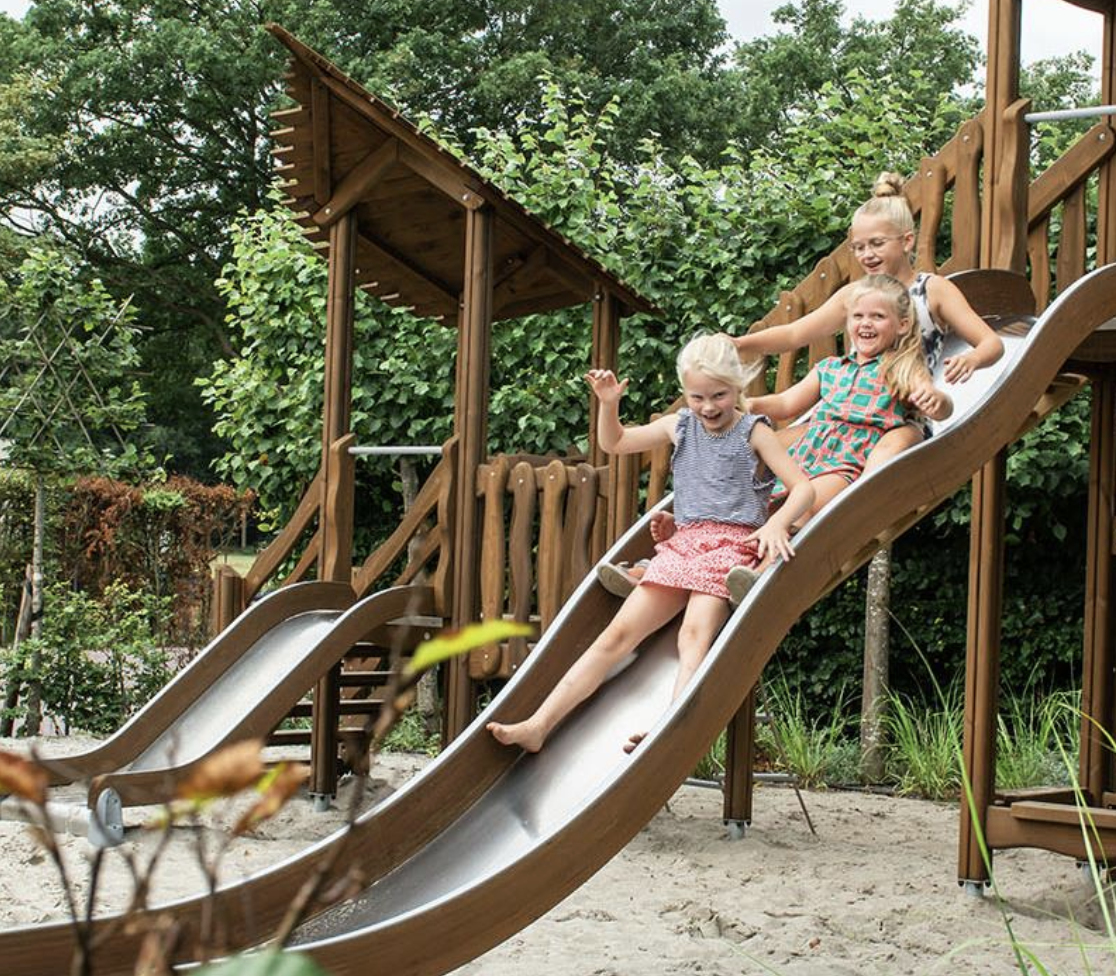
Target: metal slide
[(486, 839), (240, 686)]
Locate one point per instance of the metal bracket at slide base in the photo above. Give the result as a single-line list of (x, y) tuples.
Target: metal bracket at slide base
[(103, 826)]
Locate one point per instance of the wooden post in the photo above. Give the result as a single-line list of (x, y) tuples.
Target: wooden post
[(982, 660), (1106, 181), (335, 554), (740, 760), (1002, 89), (1095, 760), (605, 354), (471, 428)]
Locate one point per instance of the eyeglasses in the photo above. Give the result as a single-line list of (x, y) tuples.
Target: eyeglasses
[(873, 245)]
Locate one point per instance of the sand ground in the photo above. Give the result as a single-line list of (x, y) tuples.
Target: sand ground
[(874, 892)]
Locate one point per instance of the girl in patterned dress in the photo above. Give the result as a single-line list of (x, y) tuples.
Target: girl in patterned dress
[(880, 384), (882, 239), (724, 463)]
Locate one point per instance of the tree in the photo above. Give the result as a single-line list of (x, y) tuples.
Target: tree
[(782, 72), (67, 393)]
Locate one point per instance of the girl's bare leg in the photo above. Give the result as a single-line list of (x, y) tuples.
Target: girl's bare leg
[(705, 615), (892, 443), (642, 613)]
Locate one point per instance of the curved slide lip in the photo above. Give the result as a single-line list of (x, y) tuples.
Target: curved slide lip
[(474, 915), (255, 693), (222, 653)]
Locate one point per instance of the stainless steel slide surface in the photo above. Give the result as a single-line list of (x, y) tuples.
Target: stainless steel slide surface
[(486, 839), (156, 721), (240, 687)]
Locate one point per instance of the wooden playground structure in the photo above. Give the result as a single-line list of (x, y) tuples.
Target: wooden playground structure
[(398, 216)]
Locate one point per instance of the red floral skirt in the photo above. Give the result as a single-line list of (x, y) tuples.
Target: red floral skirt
[(699, 555)]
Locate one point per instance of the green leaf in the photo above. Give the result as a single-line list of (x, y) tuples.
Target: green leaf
[(265, 964), (467, 639)]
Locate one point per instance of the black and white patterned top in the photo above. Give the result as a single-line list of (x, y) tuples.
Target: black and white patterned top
[(933, 335), (716, 476)]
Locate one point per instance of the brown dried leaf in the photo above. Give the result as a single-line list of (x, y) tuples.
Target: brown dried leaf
[(226, 772), (23, 778), (282, 783)]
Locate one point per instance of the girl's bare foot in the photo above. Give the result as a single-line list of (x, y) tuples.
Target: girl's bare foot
[(634, 740), (523, 734)]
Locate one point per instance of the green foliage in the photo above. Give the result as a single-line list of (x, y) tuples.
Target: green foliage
[(1033, 735), (924, 742), (269, 963), (816, 750), (68, 392), (101, 659)]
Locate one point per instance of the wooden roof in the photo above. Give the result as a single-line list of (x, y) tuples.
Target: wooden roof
[(343, 148), (1100, 6)]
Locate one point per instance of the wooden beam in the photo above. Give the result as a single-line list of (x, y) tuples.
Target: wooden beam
[(322, 138), (381, 248), (445, 175), (471, 429), (982, 660), (358, 181), (1097, 691), (1072, 169), (604, 354)]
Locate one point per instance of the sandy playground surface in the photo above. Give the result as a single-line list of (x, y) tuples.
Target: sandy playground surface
[(873, 893)]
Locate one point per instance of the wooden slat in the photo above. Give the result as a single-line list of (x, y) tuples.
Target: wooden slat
[(966, 197), (551, 481), (579, 525), (484, 662), (1071, 242), (930, 219), (1038, 253), (521, 484)]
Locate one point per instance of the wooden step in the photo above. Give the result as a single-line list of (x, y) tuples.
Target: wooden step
[(1063, 813)]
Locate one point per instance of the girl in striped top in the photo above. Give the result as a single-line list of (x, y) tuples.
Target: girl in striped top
[(725, 462)]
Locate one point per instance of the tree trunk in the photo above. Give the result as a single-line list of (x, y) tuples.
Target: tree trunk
[(15, 675), (34, 716), (876, 649), (426, 694)]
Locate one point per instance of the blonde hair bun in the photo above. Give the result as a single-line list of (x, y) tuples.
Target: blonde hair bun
[(888, 185)]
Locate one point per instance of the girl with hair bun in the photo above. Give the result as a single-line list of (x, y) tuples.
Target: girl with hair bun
[(882, 239)]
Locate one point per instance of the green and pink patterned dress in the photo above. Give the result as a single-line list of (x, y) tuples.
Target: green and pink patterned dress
[(855, 410)]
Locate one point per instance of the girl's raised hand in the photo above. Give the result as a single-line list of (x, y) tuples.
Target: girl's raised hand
[(606, 387)]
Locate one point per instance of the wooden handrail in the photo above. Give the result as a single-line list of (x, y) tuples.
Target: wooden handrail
[(268, 561)]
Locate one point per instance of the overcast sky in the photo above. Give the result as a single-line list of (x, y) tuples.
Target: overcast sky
[(1050, 27)]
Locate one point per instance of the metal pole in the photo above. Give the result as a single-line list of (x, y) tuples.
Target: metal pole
[(1070, 113), (395, 451)]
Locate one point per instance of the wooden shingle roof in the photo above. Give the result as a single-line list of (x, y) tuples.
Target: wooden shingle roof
[(341, 148)]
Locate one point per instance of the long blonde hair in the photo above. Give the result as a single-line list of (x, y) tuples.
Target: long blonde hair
[(715, 355), (904, 364), (890, 202)]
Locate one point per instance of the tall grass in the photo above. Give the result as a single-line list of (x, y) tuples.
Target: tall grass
[(816, 750), (1034, 735), (923, 743)]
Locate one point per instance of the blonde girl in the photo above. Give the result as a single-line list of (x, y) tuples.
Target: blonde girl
[(882, 239), (724, 464), (881, 384)]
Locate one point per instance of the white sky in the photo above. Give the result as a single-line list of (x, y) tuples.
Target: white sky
[(1050, 27)]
